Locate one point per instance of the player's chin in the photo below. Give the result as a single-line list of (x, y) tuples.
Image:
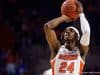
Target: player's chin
[(68, 39)]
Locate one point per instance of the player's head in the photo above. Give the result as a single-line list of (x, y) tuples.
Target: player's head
[(71, 34)]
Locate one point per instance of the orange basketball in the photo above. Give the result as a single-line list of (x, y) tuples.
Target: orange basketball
[(69, 9)]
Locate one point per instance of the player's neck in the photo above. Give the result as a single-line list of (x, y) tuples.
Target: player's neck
[(70, 45)]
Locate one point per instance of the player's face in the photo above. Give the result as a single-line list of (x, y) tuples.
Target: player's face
[(69, 35)]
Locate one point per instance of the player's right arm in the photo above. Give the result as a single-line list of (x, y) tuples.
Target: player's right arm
[(51, 35)]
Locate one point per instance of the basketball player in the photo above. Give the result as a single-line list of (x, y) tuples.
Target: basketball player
[(69, 58)]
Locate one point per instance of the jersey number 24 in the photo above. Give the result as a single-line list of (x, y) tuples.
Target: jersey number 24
[(65, 67)]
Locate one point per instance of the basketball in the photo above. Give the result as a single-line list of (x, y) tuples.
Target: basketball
[(69, 9)]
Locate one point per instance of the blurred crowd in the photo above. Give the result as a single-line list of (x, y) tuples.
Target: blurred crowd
[(23, 46)]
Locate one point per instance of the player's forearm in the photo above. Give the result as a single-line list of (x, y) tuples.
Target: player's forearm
[(55, 22), (85, 27)]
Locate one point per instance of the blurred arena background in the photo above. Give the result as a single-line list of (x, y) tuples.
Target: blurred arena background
[(23, 46)]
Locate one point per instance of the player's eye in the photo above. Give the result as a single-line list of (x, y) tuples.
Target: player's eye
[(71, 30)]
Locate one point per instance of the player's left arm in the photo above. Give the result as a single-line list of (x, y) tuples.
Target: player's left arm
[(85, 39)]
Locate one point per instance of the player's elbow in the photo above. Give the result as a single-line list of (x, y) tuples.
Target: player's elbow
[(85, 39), (45, 26)]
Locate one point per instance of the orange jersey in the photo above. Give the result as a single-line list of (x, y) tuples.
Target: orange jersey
[(67, 62)]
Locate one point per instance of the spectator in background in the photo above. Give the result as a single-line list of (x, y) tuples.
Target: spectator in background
[(10, 63), (21, 67), (3, 54)]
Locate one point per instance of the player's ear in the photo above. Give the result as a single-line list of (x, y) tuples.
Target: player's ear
[(76, 37)]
